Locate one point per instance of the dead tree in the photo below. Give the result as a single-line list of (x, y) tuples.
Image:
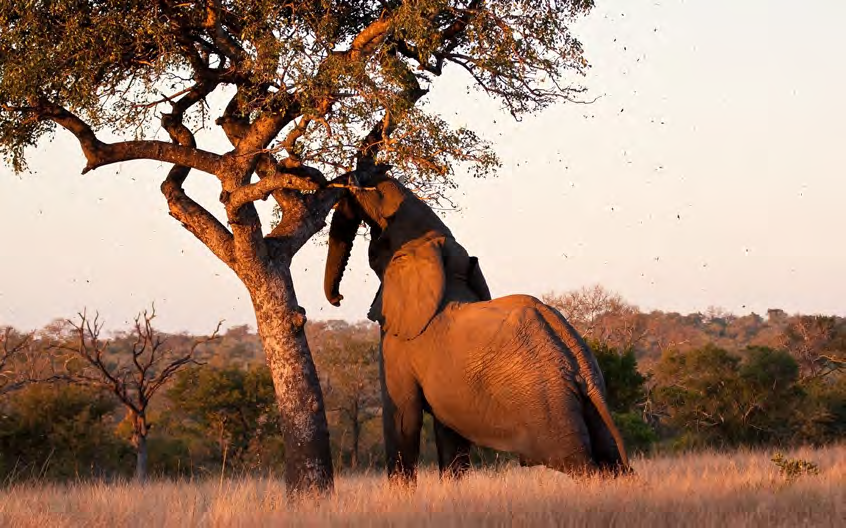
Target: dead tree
[(133, 373)]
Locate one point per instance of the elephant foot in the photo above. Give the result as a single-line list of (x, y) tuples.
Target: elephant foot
[(456, 470), (453, 452), (527, 462), (615, 470)]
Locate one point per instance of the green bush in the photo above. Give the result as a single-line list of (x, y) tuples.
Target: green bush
[(60, 432), (638, 436)]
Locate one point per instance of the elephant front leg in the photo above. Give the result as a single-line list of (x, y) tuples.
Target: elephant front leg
[(402, 421), (453, 451)]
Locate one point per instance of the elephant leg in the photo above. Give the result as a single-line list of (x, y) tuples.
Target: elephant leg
[(402, 421), (577, 464), (568, 449), (453, 451), (526, 462)]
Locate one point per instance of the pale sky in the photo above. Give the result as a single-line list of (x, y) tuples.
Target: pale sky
[(710, 172)]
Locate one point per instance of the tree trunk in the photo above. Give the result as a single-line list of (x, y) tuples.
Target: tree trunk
[(141, 460), (139, 442), (356, 435), (280, 321)]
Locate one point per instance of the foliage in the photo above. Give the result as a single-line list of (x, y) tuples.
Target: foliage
[(719, 400), (347, 358), (624, 384), (59, 432), (793, 468), (626, 393), (638, 436), (821, 418), (227, 412), (338, 70)]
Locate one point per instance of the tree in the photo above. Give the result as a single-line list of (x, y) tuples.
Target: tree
[(625, 386), (58, 430), (695, 390), (134, 373), (313, 88), (23, 361), (770, 393), (601, 316), (818, 343), (626, 394), (349, 366), (12, 346), (231, 407), (719, 399)]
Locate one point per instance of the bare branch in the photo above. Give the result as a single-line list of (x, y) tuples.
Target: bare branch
[(133, 373)]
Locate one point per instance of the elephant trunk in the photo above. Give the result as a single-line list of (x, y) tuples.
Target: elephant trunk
[(342, 231)]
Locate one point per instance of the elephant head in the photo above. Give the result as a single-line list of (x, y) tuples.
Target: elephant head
[(346, 220), (411, 250)]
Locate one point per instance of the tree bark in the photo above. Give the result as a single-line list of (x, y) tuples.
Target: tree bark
[(280, 321), (139, 441), (141, 460), (356, 435)]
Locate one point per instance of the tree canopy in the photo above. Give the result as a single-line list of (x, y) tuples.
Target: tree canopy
[(317, 82)]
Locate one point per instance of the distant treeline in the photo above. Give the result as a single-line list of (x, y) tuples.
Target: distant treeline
[(70, 400)]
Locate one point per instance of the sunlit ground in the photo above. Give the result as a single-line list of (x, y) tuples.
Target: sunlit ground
[(737, 489)]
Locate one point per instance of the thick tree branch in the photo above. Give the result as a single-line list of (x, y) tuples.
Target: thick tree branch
[(234, 121), (99, 153), (374, 141), (305, 215), (369, 39), (298, 178), (196, 219), (267, 127), (222, 39)]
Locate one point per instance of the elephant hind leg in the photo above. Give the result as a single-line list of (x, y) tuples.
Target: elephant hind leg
[(568, 449), (527, 462), (453, 451), (577, 464)]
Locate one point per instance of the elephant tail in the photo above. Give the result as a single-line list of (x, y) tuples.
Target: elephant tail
[(598, 401), (593, 383)]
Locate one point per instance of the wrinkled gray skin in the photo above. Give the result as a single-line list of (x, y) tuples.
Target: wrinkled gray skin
[(509, 373)]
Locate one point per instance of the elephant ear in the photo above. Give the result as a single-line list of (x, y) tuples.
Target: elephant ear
[(413, 289)]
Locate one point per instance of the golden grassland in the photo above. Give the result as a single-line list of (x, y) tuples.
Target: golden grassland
[(707, 489)]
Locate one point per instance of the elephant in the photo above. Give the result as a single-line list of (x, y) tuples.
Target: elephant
[(508, 373)]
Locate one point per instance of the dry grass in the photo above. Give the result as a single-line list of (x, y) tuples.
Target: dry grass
[(739, 489)]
